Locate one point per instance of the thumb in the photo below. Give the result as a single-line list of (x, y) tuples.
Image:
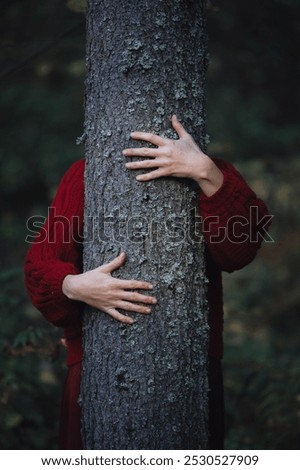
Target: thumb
[(114, 264), (178, 127)]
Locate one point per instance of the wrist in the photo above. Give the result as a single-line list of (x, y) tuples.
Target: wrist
[(69, 287), (209, 177)]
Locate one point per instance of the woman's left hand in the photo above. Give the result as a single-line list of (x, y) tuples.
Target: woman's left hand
[(180, 158)]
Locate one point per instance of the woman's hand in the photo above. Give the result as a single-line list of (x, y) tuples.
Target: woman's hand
[(100, 290), (181, 158)]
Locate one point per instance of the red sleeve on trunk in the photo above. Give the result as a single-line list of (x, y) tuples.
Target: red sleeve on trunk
[(234, 221), (57, 251)]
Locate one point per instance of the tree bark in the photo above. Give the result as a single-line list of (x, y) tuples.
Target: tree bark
[(145, 386)]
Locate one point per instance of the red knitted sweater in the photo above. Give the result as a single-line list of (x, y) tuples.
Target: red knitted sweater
[(234, 223)]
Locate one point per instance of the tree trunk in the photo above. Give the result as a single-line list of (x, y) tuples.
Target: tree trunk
[(145, 386)]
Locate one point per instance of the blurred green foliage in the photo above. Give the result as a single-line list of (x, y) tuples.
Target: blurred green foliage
[(253, 109)]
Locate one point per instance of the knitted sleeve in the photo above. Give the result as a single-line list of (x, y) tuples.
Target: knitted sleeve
[(234, 221), (57, 251)]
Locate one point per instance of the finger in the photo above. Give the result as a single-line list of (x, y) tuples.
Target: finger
[(141, 152), (136, 297), (152, 175), (132, 284), (114, 264), (178, 127), (148, 137), (119, 317), (130, 307), (142, 164)]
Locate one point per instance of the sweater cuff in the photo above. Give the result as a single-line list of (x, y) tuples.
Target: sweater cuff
[(54, 304), (230, 197), (64, 270)]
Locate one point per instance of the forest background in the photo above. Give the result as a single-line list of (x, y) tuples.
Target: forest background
[(253, 121)]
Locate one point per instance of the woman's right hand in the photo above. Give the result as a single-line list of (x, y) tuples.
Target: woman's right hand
[(100, 290)]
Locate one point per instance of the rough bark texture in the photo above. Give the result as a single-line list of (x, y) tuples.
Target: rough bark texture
[(144, 386)]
